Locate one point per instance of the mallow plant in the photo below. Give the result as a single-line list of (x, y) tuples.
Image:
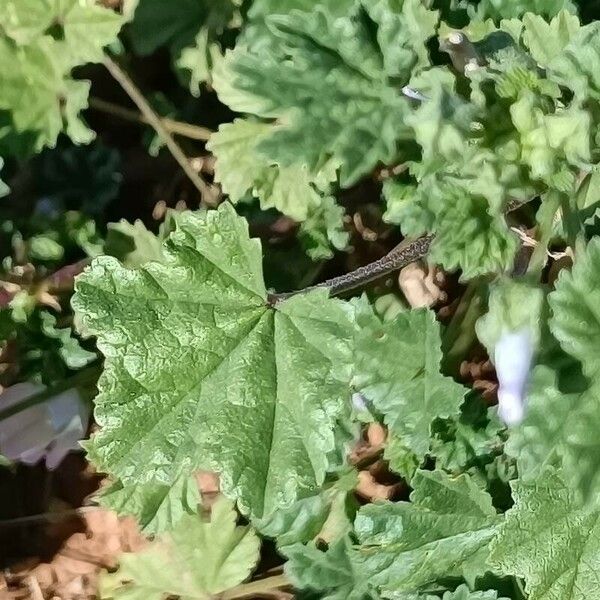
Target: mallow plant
[(476, 123)]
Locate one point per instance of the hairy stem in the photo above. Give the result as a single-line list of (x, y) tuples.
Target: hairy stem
[(402, 255), (157, 124), (193, 132)]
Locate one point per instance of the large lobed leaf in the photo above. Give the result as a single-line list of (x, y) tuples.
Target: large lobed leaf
[(201, 371)]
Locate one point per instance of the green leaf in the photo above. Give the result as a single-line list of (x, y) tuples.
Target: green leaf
[(197, 560), (330, 572), (470, 234), (358, 117), (323, 230), (201, 372), (512, 306), (156, 507), (575, 67), (550, 540), (559, 429), (35, 88), (71, 351), (325, 517), (462, 592), (398, 369), (199, 60), (400, 459), (507, 9), (550, 140), (472, 440), (547, 40), (444, 531), (82, 27), (134, 245), (442, 124), (241, 169), (575, 321), (157, 23)]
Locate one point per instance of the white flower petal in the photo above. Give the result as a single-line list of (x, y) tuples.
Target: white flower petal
[(512, 357)]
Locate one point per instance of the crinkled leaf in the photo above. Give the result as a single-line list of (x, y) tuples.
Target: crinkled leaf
[(550, 540), (444, 531), (201, 371), (70, 350), (325, 517), (507, 9), (560, 428), (156, 507), (330, 572), (134, 245), (197, 560), (550, 140), (323, 230), (84, 26), (512, 306), (241, 169), (400, 459), (576, 67), (472, 440), (42, 100), (398, 369), (358, 116), (462, 592), (575, 321), (547, 40)]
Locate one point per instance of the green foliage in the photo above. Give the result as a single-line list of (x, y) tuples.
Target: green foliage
[(358, 117), (444, 531), (175, 24), (506, 9), (549, 540), (398, 369), (470, 442), (360, 437), (512, 306), (241, 170), (196, 560), (157, 507), (40, 43), (559, 429), (212, 320), (326, 517), (575, 321), (331, 572)]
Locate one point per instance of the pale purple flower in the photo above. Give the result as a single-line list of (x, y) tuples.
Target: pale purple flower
[(512, 356), (48, 430), (358, 402)]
